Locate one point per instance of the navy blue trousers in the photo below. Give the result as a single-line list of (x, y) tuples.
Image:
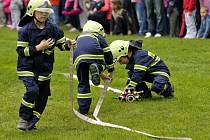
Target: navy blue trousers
[(160, 84), (84, 97), (34, 99)]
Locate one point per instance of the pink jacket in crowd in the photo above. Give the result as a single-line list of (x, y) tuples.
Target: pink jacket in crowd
[(6, 4), (71, 8)]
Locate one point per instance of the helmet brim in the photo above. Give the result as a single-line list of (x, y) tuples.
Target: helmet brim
[(46, 10)]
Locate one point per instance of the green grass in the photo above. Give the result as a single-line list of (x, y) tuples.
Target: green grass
[(185, 115)]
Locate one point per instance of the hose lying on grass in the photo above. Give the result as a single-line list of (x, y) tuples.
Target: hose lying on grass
[(97, 109)]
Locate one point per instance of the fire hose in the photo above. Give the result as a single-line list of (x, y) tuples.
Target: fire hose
[(97, 121)]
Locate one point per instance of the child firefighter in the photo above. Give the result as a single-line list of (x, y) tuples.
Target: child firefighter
[(35, 48), (143, 66), (93, 55)]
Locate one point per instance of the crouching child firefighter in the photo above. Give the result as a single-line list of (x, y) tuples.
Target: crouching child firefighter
[(35, 48), (93, 55), (143, 66)]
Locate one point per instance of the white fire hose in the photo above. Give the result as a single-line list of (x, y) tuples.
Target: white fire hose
[(97, 121)]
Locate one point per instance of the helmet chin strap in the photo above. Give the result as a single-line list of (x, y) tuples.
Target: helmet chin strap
[(39, 23)]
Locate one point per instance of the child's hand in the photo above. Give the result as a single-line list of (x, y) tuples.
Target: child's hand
[(106, 78), (72, 44), (45, 44)]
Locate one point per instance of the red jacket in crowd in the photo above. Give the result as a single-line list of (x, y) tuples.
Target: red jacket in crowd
[(189, 5), (107, 8), (55, 2)]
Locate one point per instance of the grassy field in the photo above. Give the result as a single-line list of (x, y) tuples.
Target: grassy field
[(186, 115)]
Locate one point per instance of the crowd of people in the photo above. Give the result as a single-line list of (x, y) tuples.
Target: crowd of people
[(174, 18)]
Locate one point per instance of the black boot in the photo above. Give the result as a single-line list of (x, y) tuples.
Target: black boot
[(146, 94), (169, 92), (84, 105), (32, 123), (145, 91), (22, 124), (95, 75)]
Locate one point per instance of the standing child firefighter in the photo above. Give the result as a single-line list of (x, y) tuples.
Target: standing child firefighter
[(93, 55), (35, 47), (143, 66)]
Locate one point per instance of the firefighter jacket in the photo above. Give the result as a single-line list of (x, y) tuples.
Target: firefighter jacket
[(92, 48), (142, 64), (38, 63)]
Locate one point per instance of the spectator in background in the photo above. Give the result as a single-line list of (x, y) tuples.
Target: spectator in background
[(190, 19), (205, 3), (88, 7), (141, 15), (120, 22), (71, 12), (2, 15), (84, 15), (102, 13), (173, 13), (7, 12), (155, 25), (197, 15), (16, 6), (130, 7), (204, 31), (55, 14), (25, 2), (165, 18), (61, 8)]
